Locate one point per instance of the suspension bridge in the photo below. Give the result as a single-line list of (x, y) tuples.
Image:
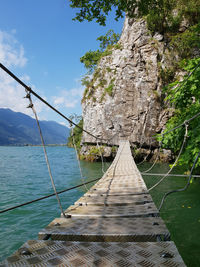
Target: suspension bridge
[(115, 223)]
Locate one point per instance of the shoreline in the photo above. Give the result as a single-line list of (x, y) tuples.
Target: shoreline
[(27, 145)]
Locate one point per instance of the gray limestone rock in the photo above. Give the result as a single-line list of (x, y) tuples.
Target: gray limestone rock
[(125, 99)]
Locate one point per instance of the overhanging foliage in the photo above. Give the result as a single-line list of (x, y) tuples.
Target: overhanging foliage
[(185, 100)]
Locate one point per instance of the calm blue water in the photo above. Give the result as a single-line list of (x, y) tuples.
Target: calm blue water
[(24, 176)]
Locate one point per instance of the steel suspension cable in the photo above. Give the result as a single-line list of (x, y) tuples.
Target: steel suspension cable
[(102, 162), (48, 196), (181, 189), (182, 124), (157, 156), (138, 148), (45, 152), (172, 175), (141, 137), (177, 159), (178, 126), (77, 157), (145, 158)]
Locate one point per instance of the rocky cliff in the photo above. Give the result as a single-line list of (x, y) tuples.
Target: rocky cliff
[(123, 98)]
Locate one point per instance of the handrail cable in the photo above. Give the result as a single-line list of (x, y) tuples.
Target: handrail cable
[(50, 195), (181, 189), (44, 149), (182, 124), (172, 174), (102, 162), (178, 126), (145, 158), (157, 156), (139, 147), (177, 159), (77, 157)]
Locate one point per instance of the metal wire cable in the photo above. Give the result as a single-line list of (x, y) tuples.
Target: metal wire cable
[(157, 157), (50, 195), (102, 162), (116, 161), (171, 175), (141, 137), (181, 189), (180, 125), (177, 159), (74, 144), (45, 152), (138, 148), (145, 158)]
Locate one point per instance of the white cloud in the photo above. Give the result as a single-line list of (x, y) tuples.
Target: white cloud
[(71, 104), (11, 52), (11, 93), (12, 96), (77, 91), (59, 100), (68, 98)]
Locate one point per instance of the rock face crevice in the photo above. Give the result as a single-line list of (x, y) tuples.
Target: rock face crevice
[(125, 99)]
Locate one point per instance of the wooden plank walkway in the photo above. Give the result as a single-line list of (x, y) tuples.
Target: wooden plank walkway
[(115, 223)]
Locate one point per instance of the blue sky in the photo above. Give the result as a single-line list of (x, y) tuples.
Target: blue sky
[(41, 44)]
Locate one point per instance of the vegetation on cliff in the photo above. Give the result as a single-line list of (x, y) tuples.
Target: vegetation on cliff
[(91, 60), (77, 133)]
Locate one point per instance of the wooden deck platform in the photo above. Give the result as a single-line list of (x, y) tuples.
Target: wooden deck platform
[(115, 223)]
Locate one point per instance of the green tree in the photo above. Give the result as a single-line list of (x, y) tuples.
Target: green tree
[(91, 58), (161, 15), (109, 39), (184, 98)]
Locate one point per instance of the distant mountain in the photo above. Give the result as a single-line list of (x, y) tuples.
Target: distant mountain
[(18, 129)]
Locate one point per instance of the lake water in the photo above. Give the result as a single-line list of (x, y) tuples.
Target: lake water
[(24, 176)]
